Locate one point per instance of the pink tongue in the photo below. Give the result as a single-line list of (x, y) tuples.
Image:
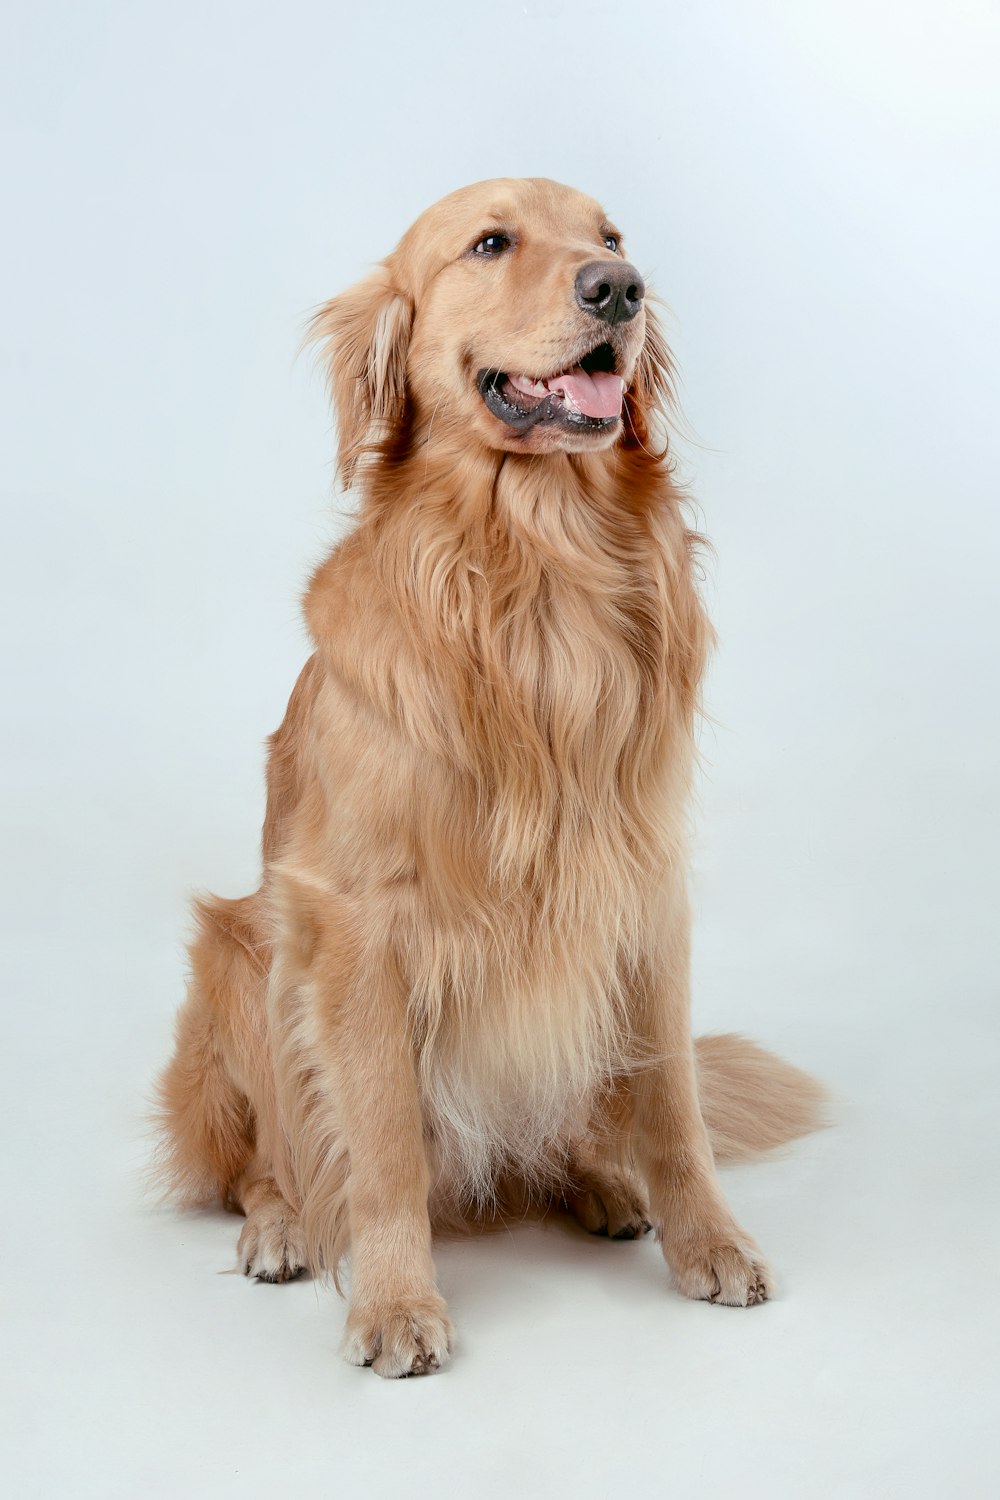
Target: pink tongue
[(597, 395)]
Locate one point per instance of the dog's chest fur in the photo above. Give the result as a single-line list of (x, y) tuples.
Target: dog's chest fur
[(524, 660), (546, 675)]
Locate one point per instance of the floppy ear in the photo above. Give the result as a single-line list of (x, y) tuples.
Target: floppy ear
[(651, 394), (364, 334)]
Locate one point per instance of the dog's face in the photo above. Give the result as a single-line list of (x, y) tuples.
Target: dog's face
[(528, 318), (508, 315)]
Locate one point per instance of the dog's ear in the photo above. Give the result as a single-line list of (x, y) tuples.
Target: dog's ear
[(650, 397), (364, 335)]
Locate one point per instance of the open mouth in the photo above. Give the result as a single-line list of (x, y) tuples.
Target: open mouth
[(588, 396)]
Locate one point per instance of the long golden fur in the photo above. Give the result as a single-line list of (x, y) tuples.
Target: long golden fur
[(463, 984)]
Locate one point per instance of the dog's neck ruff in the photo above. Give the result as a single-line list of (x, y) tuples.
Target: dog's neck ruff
[(547, 612)]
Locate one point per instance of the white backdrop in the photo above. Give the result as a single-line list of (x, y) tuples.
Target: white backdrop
[(813, 187)]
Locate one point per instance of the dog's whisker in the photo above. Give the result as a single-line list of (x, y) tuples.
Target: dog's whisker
[(430, 427)]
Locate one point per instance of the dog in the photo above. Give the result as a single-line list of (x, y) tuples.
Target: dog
[(462, 988)]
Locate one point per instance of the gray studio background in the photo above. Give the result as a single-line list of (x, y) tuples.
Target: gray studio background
[(813, 188)]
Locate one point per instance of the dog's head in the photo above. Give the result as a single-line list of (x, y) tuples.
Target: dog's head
[(509, 315)]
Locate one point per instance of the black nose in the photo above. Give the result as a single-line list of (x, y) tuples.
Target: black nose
[(611, 290)]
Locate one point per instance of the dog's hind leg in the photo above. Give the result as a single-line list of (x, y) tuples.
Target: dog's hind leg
[(605, 1199), (216, 1093), (601, 1188), (206, 1109), (272, 1245)]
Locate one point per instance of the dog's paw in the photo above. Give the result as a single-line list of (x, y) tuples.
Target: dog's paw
[(721, 1269), (404, 1336), (271, 1246), (610, 1206)]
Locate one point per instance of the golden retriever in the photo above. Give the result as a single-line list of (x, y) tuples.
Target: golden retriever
[(462, 988)]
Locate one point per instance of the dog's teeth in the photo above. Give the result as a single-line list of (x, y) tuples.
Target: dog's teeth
[(526, 384)]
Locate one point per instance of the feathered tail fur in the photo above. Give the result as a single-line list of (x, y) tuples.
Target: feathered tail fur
[(752, 1101)]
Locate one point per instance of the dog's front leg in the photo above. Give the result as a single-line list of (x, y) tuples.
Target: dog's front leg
[(397, 1321), (711, 1256)]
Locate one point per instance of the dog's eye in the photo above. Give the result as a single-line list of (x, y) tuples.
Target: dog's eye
[(612, 241), (493, 244)]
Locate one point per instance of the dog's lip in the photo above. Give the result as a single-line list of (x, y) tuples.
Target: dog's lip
[(549, 409), (548, 401)]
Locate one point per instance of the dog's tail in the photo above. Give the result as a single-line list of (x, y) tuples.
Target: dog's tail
[(751, 1100)]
